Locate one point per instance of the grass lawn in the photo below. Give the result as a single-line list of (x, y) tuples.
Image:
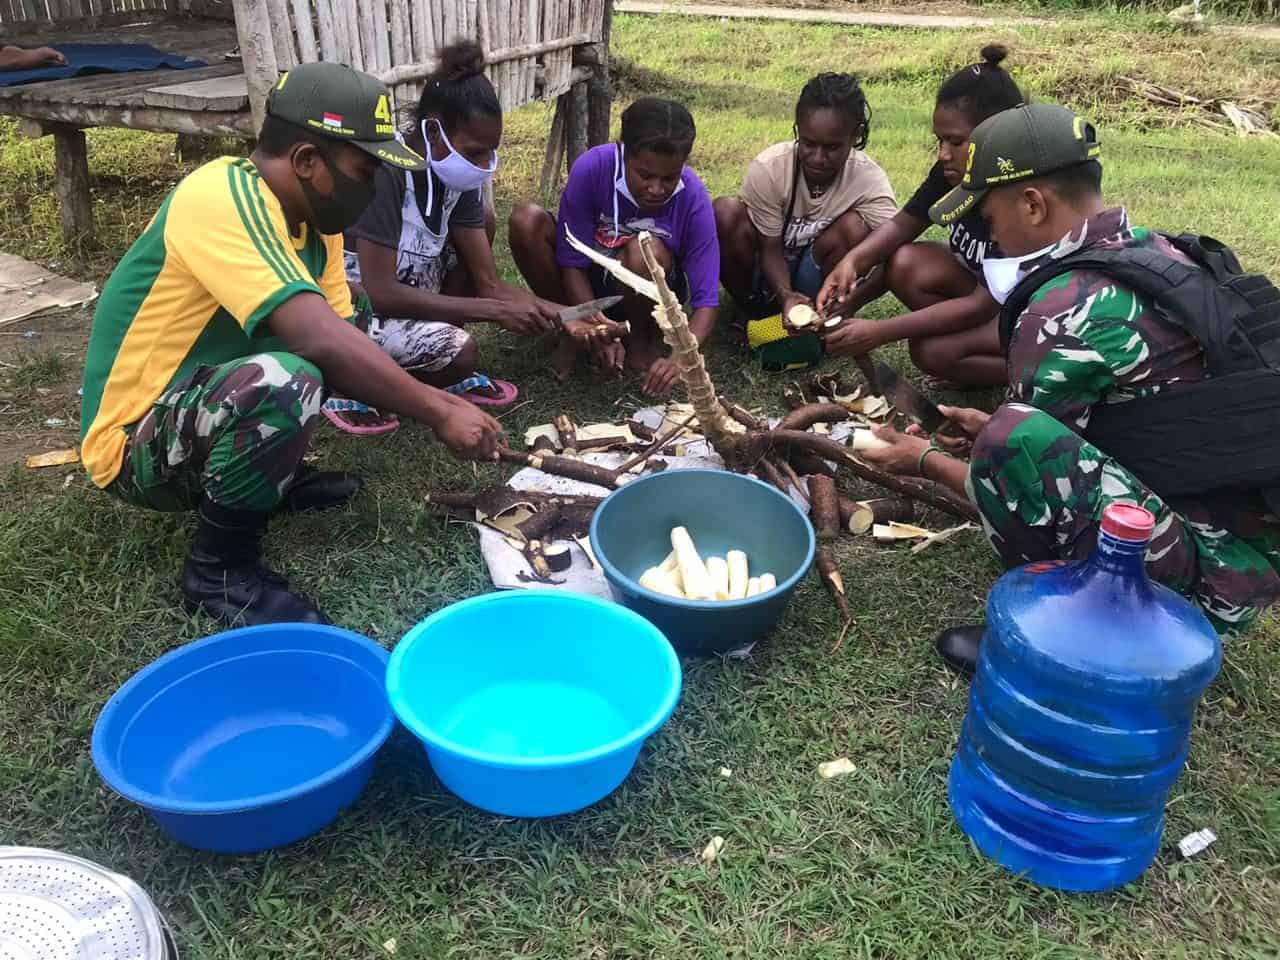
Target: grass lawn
[(869, 865)]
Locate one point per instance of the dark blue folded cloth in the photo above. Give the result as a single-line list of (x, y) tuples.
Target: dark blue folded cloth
[(86, 58)]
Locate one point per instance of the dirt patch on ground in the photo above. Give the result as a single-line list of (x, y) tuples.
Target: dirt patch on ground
[(41, 363)]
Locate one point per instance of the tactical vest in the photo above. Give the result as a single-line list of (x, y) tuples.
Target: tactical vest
[(1218, 435)]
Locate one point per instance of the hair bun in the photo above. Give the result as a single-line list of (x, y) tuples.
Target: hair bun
[(994, 54), (460, 60)]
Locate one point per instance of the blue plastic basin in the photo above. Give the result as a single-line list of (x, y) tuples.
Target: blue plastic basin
[(723, 511), (248, 739), (533, 704)]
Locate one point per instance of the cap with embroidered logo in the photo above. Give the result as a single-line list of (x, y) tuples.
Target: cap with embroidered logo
[(334, 101), (1017, 144)]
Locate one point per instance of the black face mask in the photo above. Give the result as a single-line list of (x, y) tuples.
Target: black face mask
[(342, 208)]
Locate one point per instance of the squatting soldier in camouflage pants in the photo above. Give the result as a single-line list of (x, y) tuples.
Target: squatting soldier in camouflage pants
[(1082, 341), (219, 330), (235, 432)]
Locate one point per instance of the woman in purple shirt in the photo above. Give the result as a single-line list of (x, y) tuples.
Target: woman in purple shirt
[(614, 192)]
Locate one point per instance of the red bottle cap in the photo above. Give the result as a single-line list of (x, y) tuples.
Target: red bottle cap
[(1128, 521)]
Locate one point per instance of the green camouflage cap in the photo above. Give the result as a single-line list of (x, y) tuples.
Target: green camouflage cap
[(337, 102), (1017, 144)]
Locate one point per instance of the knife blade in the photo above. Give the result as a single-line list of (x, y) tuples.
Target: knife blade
[(836, 309), (864, 362), (903, 395), (588, 309), (866, 277)]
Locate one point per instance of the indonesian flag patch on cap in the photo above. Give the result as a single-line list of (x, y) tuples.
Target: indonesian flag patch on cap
[(338, 103)]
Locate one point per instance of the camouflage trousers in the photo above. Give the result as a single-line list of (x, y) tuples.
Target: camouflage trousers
[(235, 432), (1041, 490)]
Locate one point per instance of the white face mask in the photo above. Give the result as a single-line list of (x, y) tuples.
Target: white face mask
[(1002, 273), (455, 171), (620, 183)]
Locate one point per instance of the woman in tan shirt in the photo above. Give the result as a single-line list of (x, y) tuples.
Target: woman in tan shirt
[(805, 202)]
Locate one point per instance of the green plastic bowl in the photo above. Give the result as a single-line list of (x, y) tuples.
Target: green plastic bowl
[(723, 511)]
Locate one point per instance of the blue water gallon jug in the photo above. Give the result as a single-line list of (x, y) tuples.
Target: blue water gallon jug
[(1080, 713)]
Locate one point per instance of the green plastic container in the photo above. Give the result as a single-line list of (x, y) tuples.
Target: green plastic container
[(723, 511)]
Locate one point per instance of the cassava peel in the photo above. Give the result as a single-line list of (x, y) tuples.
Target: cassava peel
[(830, 573), (865, 514), (802, 418)]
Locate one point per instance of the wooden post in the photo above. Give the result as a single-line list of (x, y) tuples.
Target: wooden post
[(71, 182), (281, 33), (549, 182), (187, 146), (258, 53), (599, 87), (305, 33), (576, 121)]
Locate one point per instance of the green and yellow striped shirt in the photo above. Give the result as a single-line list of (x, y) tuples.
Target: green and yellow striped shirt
[(192, 291)]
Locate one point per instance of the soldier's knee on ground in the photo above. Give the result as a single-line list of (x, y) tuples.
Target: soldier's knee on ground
[(284, 382), (1024, 480), (268, 407), (1007, 433), (999, 429), (277, 367)]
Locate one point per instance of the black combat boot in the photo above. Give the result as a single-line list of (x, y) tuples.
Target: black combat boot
[(319, 489), (958, 647), (224, 576)]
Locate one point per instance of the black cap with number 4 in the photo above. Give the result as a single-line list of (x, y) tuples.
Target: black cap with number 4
[(1018, 144), (334, 101)]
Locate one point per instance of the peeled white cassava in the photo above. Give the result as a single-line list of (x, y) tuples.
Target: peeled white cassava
[(685, 574), (660, 581), (693, 572), (718, 571), (671, 566), (864, 439), (802, 316), (738, 578), (712, 850), (836, 768)]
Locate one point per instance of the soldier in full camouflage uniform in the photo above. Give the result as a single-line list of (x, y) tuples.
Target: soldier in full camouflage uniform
[(1082, 341), (1041, 489)]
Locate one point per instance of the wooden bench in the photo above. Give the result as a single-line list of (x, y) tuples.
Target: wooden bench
[(537, 49), (64, 108)]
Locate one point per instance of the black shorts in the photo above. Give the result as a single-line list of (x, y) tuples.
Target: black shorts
[(806, 277)]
